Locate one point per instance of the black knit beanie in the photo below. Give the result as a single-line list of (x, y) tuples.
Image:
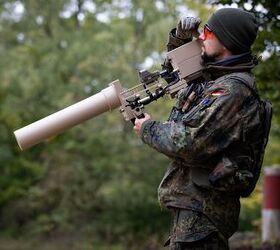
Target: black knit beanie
[(236, 29)]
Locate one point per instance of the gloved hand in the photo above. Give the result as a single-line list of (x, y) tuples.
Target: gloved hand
[(187, 27)]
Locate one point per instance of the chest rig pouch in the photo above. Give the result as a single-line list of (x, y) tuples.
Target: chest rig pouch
[(187, 99)]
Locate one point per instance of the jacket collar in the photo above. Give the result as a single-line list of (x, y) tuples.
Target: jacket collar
[(235, 63)]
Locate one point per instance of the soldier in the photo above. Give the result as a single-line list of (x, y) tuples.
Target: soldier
[(214, 134)]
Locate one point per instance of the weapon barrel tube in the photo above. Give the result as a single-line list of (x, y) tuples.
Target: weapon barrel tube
[(105, 100)]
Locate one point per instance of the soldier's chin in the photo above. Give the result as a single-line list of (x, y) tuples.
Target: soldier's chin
[(208, 58)]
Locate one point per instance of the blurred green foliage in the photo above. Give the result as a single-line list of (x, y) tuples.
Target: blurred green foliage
[(97, 177)]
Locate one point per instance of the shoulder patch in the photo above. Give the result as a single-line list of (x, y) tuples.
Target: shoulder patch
[(217, 93)]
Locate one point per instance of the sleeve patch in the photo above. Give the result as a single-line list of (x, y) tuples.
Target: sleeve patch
[(206, 102)]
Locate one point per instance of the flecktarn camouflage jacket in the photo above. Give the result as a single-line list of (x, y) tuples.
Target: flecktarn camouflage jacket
[(212, 142)]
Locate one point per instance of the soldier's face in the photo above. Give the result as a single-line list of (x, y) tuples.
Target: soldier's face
[(212, 49)]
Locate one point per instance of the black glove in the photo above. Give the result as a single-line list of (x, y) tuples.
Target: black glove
[(187, 27)]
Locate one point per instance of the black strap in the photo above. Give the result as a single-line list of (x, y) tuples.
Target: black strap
[(267, 120)]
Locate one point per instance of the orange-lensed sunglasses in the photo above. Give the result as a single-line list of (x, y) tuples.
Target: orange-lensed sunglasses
[(208, 33)]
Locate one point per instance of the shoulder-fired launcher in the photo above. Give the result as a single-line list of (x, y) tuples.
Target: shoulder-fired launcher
[(185, 61)]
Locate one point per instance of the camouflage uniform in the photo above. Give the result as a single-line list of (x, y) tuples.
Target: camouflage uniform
[(212, 136)]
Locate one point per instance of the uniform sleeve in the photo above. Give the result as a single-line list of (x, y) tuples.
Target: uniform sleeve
[(175, 42), (205, 130)]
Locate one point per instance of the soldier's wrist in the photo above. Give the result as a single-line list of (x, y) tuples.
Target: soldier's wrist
[(174, 41), (145, 130)]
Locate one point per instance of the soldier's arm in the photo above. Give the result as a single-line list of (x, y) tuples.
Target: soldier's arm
[(183, 33), (173, 43), (205, 130)]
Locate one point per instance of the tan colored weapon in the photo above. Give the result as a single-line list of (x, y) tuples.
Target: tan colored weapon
[(186, 64)]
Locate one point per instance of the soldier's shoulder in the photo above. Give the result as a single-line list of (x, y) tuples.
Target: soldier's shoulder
[(236, 83)]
